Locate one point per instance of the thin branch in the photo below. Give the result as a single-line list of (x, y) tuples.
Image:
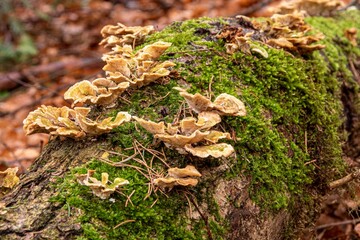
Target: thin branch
[(345, 180), (354, 221), (203, 217), (124, 222)]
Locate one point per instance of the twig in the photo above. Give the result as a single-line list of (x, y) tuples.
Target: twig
[(345, 180), (154, 203), (124, 222), (306, 142), (354, 221), (129, 199), (203, 217)]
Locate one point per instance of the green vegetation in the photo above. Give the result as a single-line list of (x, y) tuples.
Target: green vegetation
[(22, 47), (293, 119)]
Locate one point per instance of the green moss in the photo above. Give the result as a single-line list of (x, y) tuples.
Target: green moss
[(100, 217), (293, 118)]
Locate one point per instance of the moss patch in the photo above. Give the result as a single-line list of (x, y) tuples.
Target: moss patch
[(288, 144)]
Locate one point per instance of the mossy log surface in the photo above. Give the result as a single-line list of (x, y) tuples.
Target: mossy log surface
[(303, 117)]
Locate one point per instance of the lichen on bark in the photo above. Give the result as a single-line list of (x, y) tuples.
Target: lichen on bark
[(287, 147)]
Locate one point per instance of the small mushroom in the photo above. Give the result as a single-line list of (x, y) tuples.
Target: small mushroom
[(197, 102), (215, 150), (179, 141), (150, 126), (120, 35), (101, 188), (101, 91), (179, 177), (351, 34), (152, 51), (81, 92), (188, 171), (224, 104), (171, 182), (229, 105), (8, 178), (215, 136), (91, 127)]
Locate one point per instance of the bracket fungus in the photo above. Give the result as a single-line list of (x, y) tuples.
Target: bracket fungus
[(101, 188), (215, 150), (53, 120), (69, 122), (239, 40), (179, 177), (100, 92), (91, 127), (225, 104), (120, 34), (351, 34), (140, 68), (288, 31), (124, 69), (198, 131), (8, 178)]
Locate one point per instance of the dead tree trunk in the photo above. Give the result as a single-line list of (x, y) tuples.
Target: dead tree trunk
[(288, 147)]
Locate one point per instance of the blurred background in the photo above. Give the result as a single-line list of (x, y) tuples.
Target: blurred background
[(48, 45)]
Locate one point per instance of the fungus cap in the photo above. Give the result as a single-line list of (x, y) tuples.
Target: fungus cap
[(101, 188), (215, 150), (171, 182), (8, 178), (188, 171)]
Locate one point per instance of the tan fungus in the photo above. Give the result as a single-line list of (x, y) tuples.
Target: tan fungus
[(138, 69), (188, 171), (215, 150), (53, 120), (171, 182), (351, 34), (91, 127), (224, 104), (101, 188), (8, 178), (101, 91), (288, 32), (120, 35), (179, 177)]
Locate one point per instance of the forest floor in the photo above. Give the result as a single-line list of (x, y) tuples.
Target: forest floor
[(48, 45)]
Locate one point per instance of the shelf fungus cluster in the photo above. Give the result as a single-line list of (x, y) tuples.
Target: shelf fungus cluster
[(70, 122), (195, 135), (289, 32), (179, 177), (101, 188), (239, 40), (124, 69)]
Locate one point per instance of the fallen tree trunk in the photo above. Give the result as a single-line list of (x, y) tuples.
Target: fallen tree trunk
[(288, 147)]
